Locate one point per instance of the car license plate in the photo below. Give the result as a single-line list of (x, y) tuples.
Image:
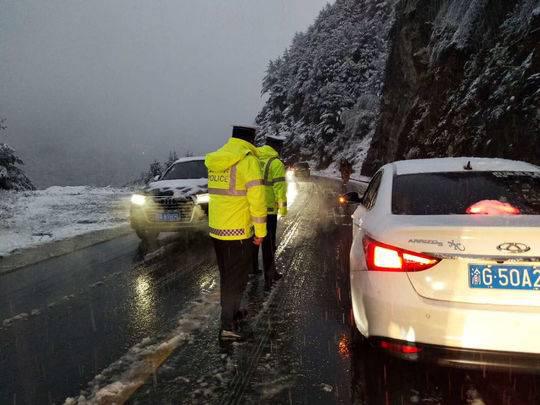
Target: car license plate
[(168, 217), (504, 277)]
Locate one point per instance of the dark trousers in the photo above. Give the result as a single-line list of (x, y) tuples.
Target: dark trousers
[(269, 249), (234, 258)]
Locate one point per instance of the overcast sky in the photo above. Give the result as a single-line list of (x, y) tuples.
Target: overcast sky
[(94, 90)]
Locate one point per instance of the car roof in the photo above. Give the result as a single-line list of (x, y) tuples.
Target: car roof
[(458, 164), (189, 159)]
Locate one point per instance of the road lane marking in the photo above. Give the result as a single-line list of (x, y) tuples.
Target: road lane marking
[(116, 384)]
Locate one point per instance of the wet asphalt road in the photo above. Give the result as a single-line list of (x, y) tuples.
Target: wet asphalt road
[(78, 323)]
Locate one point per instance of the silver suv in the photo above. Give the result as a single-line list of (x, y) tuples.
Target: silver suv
[(176, 201)]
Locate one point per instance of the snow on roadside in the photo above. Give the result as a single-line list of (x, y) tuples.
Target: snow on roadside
[(117, 382), (31, 218)]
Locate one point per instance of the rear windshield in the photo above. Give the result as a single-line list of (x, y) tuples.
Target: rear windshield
[(496, 193), (302, 165), (186, 170)]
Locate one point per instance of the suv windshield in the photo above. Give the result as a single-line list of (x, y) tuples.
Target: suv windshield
[(301, 165), (467, 193), (194, 169)]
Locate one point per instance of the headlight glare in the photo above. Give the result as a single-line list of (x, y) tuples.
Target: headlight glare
[(138, 199), (203, 198)]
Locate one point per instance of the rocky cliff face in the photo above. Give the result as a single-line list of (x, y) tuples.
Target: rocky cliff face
[(462, 79)]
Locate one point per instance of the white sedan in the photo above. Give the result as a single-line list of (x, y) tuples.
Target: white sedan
[(445, 261)]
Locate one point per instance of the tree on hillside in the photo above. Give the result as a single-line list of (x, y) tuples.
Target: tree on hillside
[(314, 90), (156, 169), (11, 176)]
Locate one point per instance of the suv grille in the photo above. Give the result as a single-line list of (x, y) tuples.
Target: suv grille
[(166, 204)]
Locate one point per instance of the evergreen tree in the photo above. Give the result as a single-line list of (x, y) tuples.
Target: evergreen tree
[(11, 176), (156, 169)]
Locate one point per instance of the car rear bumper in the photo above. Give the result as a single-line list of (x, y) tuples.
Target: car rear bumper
[(460, 358), (386, 305)]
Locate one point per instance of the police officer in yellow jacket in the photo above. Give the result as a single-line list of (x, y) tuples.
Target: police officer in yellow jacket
[(275, 183), (237, 219)]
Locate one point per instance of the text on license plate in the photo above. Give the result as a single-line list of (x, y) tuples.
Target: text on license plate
[(168, 217), (504, 277)]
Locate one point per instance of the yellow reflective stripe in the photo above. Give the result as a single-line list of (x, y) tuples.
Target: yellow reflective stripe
[(278, 180), (222, 191), (254, 183), (267, 171), (227, 232), (258, 220)]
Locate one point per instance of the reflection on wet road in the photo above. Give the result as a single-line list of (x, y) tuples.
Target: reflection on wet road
[(110, 323)]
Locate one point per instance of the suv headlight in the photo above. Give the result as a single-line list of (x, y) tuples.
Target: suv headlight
[(203, 198), (138, 199), (289, 174)]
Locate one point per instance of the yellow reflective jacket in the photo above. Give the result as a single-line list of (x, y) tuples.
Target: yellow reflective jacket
[(237, 206), (273, 171)]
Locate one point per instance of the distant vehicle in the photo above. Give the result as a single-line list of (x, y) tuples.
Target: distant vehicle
[(301, 170), (445, 262), (176, 201)]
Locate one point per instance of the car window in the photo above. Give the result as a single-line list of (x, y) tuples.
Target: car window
[(370, 196), (302, 165), (467, 193), (194, 169)]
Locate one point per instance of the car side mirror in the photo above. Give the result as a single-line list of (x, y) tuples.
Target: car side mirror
[(353, 198)]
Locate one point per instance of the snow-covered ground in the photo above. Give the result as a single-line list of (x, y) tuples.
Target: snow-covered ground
[(32, 218)]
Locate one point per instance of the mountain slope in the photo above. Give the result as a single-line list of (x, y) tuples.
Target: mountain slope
[(409, 79), (325, 89)]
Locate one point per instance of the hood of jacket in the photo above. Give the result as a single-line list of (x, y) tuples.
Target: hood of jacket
[(266, 152), (229, 154)]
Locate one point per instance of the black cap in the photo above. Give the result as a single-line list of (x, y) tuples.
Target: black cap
[(244, 133)]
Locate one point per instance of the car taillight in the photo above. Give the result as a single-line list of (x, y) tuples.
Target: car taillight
[(399, 348), (383, 257)]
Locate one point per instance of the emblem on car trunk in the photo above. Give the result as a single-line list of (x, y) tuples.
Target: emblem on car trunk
[(456, 245), (513, 247)]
